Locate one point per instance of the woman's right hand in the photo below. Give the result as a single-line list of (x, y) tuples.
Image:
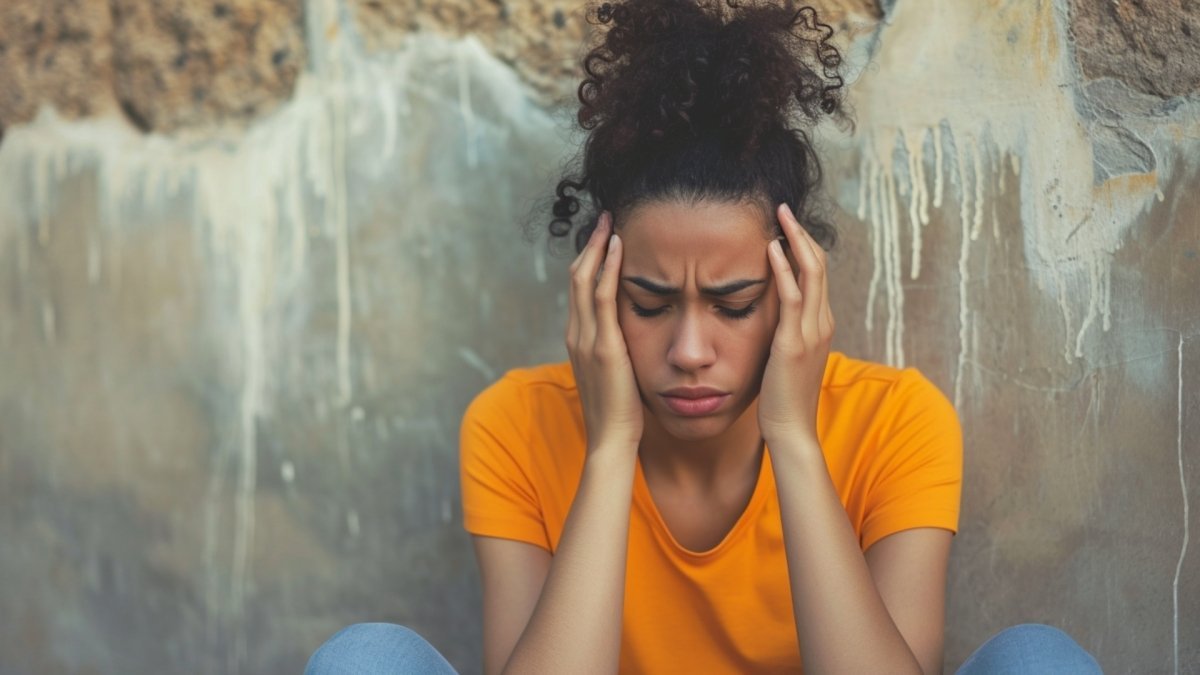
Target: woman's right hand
[(612, 409)]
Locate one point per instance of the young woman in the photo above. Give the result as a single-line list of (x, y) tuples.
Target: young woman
[(704, 487)]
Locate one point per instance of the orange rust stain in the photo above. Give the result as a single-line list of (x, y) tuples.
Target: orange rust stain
[(1129, 186), (1044, 40)]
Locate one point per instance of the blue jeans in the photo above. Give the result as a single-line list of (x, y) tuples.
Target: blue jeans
[(368, 648)]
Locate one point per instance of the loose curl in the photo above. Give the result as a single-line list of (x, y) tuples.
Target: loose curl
[(695, 99)]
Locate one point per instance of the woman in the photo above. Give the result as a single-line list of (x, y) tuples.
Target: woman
[(704, 487)]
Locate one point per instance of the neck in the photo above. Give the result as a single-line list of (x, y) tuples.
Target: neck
[(732, 456)]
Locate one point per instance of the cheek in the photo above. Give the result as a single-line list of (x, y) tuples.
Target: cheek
[(639, 334), (754, 344)]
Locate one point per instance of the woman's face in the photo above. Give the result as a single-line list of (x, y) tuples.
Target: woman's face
[(698, 308)]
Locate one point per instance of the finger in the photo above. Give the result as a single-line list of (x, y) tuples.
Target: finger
[(812, 270), (573, 310), (824, 312), (583, 283), (791, 300), (608, 330)]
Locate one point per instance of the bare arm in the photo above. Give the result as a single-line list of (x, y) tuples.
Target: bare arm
[(845, 622), (562, 614), (909, 569)]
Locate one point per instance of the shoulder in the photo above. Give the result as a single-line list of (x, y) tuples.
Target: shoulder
[(888, 392), (520, 391), (548, 379)]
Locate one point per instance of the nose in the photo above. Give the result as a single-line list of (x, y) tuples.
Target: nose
[(691, 347)]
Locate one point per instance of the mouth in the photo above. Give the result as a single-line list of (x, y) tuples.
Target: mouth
[(694, 402)]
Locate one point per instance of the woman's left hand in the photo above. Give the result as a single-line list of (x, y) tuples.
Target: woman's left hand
[(791, 386)]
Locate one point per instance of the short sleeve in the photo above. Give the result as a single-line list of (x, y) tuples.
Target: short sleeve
[(498, 495), (921, 455)]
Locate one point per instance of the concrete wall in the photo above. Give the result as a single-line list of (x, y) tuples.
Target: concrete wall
[(257, 255)]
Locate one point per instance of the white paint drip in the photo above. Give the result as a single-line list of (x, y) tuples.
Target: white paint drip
[(1071, 226), (93, 258), (468, 114), (868, 204), (337, 217), (248, 188), (1098, 300), (476, 361), (879, 205), (937, 165), (918, 204), (1183, 489), (48, 326), (964, 275), (977, 175), (892, 270)]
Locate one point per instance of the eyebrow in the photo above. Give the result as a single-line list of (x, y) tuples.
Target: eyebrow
[(715, 291)]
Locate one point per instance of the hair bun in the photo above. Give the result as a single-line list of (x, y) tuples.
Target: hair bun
[(669, 69), (701, 97)]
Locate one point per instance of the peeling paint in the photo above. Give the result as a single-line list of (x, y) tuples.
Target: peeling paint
[(250, 192)]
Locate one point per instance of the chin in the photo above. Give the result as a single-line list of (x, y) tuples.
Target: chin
[(694, 428)]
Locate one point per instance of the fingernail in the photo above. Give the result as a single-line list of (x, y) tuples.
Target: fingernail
[(612, 242)]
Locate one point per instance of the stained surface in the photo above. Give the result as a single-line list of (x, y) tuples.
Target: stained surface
[(234, 361)]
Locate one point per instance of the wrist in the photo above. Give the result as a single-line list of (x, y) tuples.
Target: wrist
[(795, 446), (611, 455)]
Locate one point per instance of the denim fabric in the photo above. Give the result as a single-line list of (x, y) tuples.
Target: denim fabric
[(1030, 649), (384, 648), (377, 648)]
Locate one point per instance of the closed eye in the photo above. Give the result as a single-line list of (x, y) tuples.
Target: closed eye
[(742, 312), (648, 311), (726, 311)]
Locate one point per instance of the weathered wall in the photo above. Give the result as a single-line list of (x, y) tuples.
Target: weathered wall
[(235, 356)]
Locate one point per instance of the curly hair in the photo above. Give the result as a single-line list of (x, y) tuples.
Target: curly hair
[(695, 99)]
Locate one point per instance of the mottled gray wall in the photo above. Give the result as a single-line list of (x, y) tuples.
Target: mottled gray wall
[(256, 256)]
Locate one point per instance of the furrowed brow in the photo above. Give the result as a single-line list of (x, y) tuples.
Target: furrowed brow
[(731, 287), (657, 289), (713, 291)]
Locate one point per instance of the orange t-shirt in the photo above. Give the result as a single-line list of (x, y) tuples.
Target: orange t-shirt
[(893, 447)]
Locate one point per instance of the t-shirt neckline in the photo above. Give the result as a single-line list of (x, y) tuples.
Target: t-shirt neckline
[(645, 500)]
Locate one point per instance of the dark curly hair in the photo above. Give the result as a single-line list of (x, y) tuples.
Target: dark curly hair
[(694, 99)]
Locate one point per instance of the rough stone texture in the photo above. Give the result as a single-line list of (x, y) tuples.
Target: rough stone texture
[(168, 65), (1151, 45), (185, 63), (54, 51), (541, 40)]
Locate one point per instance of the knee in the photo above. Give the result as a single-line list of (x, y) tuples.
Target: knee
[(359, 647), (1030, 647)]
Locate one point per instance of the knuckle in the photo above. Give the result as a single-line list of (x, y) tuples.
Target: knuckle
[(602, 294)]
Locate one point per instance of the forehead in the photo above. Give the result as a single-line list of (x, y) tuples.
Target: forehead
[(714, 239)]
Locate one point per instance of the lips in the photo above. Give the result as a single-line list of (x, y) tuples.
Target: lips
[(694, 401)]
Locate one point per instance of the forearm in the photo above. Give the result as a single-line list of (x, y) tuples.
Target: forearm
[(842, 623), (576, 624)]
